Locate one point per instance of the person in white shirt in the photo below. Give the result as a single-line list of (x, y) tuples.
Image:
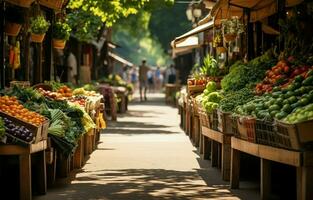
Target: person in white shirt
[(72, 68)]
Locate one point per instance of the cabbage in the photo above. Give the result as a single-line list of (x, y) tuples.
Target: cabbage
[(211, 86), (214, 97)]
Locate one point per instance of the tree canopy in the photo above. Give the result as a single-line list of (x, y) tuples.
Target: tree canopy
[(86, 17)]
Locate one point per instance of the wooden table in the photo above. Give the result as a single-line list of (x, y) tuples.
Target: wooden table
[(219, 149), (24, 154), (303, 161)]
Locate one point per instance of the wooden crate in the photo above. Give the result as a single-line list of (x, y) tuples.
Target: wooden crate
[(295, 136), (40, 132), (246, 128), (224, 122), (193, 89)]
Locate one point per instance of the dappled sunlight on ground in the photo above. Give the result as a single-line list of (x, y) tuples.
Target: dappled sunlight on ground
[(145, 155)]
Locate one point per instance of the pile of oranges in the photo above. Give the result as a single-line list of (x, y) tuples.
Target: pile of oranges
[(12, 107)]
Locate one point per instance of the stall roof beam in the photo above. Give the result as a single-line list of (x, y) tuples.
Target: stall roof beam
[(120, 59), (194, 31)]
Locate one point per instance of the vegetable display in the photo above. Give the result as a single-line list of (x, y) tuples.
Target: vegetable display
[(241, 75), (210, 97), (300, 115), (282, 101), (282, 74), (20, 132), (233, 99)]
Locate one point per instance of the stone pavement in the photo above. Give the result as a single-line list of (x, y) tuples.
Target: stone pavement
[(145, 155)]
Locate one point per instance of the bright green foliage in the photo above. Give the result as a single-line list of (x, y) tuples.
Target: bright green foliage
[(88, 16), (61, 31), (210, 66), (39, 25)]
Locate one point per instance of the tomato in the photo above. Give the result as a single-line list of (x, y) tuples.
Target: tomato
[(286, 69)]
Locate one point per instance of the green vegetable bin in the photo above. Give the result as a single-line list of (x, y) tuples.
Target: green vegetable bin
[(295, 136)]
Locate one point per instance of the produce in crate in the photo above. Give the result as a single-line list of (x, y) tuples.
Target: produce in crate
[(233, 99), (282, 101), (12, 107), (282, 74), (81, 100), (300, 115), (20, 132)]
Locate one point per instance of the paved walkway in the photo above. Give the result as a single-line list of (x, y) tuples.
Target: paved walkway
[(145, 155)]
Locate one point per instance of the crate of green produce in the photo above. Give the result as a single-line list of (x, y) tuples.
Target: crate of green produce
[(266, 133), (295, 130)]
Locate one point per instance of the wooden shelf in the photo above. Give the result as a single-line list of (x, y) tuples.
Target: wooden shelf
[(18, 150), (267, 152)]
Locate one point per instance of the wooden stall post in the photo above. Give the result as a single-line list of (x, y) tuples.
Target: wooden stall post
[(42, 173), (226, 152), (25, 177), (234, 169), (265, 178), (214, 153)]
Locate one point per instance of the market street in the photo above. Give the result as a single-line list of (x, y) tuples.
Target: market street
[(145, 155)]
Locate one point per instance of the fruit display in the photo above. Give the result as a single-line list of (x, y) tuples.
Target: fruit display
[(196, 81), (50, 94), (282, 74), (12, 107), (82, 91), (65, 91), (20, 132), (81, 100), (282, 101)]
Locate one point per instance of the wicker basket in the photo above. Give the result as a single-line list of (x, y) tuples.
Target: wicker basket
[(12, 29), (229, 37), (295, 136), (37, 38), (22, 3), (54, 4), (266, 133), (22, 84), (246, 128), (58, 44)]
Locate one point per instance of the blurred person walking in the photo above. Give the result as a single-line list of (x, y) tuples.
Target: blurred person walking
[(143, 80)]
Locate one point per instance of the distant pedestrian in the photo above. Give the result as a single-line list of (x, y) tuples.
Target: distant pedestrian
[(143, 80), (171, 74), (150, 80), (158, 78)]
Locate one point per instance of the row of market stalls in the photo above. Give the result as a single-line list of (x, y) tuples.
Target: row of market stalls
[(48, 127), (248, 98)]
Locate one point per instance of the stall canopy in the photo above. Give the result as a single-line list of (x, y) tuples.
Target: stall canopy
[(120, 59), (259, 9), (198, 29)]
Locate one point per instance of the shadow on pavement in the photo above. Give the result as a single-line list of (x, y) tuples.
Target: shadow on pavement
[(131, 124), (136, 131), (139, 184)]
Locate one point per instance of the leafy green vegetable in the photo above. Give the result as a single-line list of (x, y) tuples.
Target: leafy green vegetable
[(242, 74), (233, 99)]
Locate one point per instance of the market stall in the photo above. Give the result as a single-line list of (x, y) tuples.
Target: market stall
[(261, 106)]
